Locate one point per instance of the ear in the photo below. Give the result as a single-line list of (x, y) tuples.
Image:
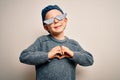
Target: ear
[(65, 20), (45, 27)]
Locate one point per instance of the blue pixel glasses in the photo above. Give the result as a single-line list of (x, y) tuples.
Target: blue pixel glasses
[(51, 20)]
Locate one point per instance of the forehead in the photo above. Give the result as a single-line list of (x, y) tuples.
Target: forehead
[(52, 13)]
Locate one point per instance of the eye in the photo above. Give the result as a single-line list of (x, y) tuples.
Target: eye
[(60, 17), (49, 21)]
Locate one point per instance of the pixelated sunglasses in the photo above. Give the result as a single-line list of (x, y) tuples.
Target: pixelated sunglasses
[(51, 20)]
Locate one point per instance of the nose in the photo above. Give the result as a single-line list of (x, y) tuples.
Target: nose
[(56, 21)]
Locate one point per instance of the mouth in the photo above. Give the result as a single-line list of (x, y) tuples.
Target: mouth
[(56, 27)]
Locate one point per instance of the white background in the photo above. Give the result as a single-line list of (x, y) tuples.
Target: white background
[(95, 24)]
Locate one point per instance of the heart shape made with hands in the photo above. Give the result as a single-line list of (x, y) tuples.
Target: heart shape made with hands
[(60, 52), (61, 55)]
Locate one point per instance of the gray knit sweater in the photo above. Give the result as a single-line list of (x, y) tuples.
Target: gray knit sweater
[(55, 69)]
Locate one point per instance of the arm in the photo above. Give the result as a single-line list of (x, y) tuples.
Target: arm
[(83, 58), (79, 56), (33, 55)]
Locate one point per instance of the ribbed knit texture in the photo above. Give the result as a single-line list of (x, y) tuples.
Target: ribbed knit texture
[(55, 69)]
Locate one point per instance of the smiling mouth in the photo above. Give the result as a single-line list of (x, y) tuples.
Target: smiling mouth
[(57, 27)]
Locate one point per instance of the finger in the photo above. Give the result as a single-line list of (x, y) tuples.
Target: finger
[(57, 56), (67, 55), (62, 57), (63, 47), (62, 50), (59, 51), (59, 47)]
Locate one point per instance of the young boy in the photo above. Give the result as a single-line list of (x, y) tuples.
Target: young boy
[(55, 56)]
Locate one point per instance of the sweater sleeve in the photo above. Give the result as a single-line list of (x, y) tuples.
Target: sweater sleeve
[(32, 55), (82, 57)]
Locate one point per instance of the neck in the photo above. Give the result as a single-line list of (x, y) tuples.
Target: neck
[(59, 36)]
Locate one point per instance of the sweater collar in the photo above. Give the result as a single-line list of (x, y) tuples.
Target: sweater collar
[(56, 40)]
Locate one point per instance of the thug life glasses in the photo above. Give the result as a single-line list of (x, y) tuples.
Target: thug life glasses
[(51, 20)]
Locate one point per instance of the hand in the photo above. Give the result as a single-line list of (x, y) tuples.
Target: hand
[(66, 52), (55, 52), (60, 52)]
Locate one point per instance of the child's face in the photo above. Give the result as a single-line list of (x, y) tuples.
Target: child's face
[(57, 26)]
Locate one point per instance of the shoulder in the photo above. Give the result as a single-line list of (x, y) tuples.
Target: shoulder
[(43, 38), (74, 45), (73, 42)]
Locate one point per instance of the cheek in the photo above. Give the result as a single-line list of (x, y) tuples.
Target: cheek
[(51, 26), (47, 28), (64, 24)]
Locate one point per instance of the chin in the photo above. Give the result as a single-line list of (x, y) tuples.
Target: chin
[(57, 33)]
